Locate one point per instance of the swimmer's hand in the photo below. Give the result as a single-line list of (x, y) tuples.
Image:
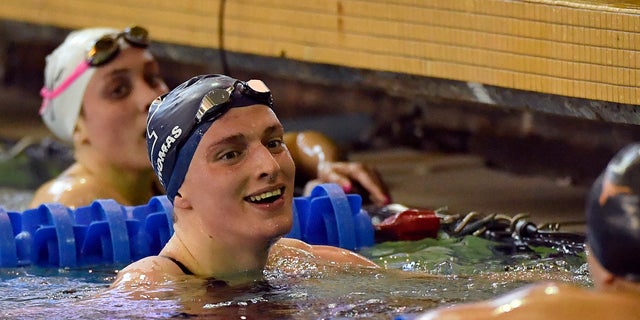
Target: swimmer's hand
[(352, 176), (317, 157)]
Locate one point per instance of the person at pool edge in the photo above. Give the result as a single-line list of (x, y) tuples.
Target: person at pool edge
[(98, 86), (613, 256), (217, 147)]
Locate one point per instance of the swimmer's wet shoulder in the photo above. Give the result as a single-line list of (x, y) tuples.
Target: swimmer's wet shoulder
[(149, 272)]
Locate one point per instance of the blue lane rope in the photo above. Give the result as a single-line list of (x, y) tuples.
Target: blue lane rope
[(106, 232)]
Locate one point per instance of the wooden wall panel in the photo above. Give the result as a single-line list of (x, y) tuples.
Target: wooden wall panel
[(580, 48)]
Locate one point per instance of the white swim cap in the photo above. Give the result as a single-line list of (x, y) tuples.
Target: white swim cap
[(61, 112)]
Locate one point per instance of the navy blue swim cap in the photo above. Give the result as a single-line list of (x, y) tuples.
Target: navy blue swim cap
[(178, 119), (613, 215)]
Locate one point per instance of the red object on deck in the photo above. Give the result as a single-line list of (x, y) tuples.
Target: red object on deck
[(408, 225)]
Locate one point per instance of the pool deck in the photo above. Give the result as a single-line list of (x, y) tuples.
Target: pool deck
[(462, 183)]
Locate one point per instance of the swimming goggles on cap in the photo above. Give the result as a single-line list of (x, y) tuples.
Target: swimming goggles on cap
[(102, 51), (216, 102)]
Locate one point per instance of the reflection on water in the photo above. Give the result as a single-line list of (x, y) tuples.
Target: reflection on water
[(419, 275), (471, 255)]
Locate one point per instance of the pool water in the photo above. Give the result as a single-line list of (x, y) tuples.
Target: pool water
[(417, 276)]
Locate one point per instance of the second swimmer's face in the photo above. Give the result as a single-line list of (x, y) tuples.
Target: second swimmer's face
[(115, 106)]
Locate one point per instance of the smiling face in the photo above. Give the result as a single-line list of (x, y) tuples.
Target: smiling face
[(239, 185), (115, 106)]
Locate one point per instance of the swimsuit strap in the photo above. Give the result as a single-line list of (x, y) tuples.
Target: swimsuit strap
[(180, 265), (212, 283)]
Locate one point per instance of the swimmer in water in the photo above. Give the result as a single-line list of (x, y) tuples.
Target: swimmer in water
[(613, 255), (98, 86), (218, 149)]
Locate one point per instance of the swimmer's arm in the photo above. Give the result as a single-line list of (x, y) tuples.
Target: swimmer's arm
[(341, 256), (308, 149), (316, 156), (329, 254), (534, 301), (482, 310), (475, 311)]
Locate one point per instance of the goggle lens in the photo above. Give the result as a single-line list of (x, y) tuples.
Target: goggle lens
[(106, 48), (212, 104), (137, 36), (102, 51), (258, 90)]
